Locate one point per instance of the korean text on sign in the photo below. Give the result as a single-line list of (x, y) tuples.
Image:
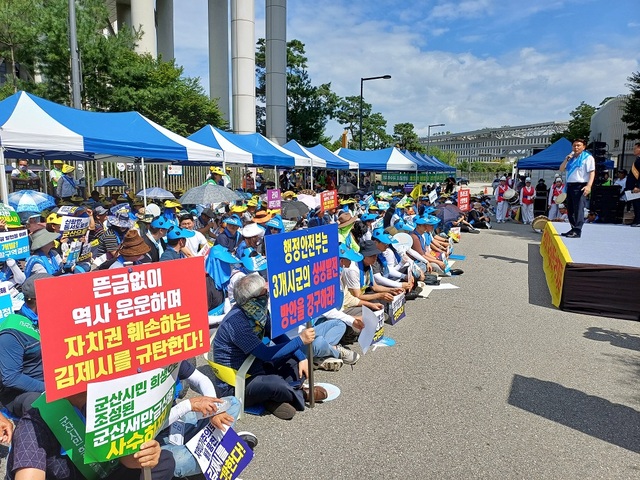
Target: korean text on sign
[(119, 322), (303, 276)]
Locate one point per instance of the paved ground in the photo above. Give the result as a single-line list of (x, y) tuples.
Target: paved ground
[(486, 381)]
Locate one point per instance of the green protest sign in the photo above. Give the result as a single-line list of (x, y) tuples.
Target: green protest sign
[(125, 412)]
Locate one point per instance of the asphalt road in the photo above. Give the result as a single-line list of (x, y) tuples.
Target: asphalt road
[(485, 381)]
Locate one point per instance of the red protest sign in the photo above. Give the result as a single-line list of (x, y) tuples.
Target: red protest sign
[(464, 197), (328, 200), (113, 323)]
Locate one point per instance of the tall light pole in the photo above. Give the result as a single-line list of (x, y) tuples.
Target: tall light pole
[(429, 134), (362, 80)]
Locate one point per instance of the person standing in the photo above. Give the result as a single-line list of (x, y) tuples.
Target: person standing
[(67, 186), (55, 173), (633, 184), (527, 196), (581, 172), (556, 189), (501, 203)]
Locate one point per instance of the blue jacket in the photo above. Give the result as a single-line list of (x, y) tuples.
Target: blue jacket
[(20, 365)]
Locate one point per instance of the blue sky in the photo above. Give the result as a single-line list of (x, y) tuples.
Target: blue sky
[(469, 64)]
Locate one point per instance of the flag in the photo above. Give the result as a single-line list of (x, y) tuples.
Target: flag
[(416, 192)]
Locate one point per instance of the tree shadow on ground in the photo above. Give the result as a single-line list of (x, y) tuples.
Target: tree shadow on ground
[(615, 338), (611, 422), (538, 290)]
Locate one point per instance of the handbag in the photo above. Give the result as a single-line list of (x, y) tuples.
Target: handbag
[(431, 279)]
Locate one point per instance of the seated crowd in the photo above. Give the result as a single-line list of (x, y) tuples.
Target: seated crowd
[(389, 244)]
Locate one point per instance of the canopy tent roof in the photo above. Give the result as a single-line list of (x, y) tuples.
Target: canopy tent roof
[(250, 148), (438, 164), (333, 160), (387, 159), (32, 126), (297, 149), (548, 159)]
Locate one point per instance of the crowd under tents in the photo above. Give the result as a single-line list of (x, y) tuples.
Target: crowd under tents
[(32, 126)]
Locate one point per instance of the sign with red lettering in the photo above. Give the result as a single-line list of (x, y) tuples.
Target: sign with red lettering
[(328, 200), (112, 323), (464, 199)]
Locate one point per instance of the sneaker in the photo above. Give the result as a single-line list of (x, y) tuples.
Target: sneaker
[(412, 295), (249, 438), (282, 410), (348, 356), (329, 364)]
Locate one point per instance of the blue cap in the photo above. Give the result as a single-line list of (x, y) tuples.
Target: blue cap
[(161, 222), (233, 220), (368, 217), (431, 220), (404, 226), (223, 254), (276, 222), (175, 233), (253, 261), (349, 254), (381, 236), (419, 220)]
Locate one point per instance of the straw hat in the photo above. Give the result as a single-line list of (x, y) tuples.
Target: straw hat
[(288, 195), (345, 219), (41, 238), (54, 219), (172, 204), (262, 216), (133, 245), (238, 208)]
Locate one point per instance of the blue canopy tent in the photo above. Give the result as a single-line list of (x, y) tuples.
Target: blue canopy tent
[(321, 157), (384, 160), (548, 159), (30, 124), (439, 164)]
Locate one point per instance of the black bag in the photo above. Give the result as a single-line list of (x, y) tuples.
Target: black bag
[(431, 279)]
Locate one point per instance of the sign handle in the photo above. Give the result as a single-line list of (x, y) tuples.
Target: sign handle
[(146, 473), (312, 400)]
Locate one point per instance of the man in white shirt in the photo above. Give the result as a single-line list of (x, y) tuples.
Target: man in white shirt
[(581, 172), (198, 241)]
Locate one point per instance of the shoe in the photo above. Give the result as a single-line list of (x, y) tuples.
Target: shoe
[(411, 295), (329, 364), (348, 356), (249, 438), (567, 233), (281, 410), (456, 271), (635, 224), (319, 394), (573, 234)]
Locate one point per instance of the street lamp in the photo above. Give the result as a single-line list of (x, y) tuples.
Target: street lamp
[(429, 134), (362, 80)]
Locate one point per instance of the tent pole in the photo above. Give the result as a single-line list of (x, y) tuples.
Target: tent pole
[(4, 188), (358, 185), (311, 173), (144, 182), (337, 178), (275, 175)]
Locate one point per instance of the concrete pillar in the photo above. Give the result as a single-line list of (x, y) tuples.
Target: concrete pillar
[(243, 65), (219, 77), (276, 61), (164, 14), (143, 17)]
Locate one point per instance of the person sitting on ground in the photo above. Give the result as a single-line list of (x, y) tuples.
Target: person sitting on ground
[(420, 249), (36, 453), (345, 227), (154, 238), (44, 257), (251, 262), (592, 217), (563, 215), (381, 275), (133, 250), (230, 237), (196, 413), (21, 373), (276, 366), (6, 430), (119, 222), (197, 242), (176, 243), (478, 218), (252, 235)]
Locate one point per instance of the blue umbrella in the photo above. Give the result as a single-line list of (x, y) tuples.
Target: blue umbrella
[(110, 182), (30, 201), (156, 193)]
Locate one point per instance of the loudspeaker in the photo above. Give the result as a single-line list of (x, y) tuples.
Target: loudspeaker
[(605, 202)]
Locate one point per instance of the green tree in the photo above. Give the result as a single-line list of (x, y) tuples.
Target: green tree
[(406, 138), (374, 135), (632, 107), (17, 30), (579, 125), (114, 77), (309, 107), (448, 157)]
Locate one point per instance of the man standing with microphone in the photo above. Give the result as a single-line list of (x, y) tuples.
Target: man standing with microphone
[(581, 172)]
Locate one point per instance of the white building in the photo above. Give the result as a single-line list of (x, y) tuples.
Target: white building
[(607, 126)]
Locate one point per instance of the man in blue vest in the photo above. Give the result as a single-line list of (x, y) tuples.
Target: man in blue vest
[(21, 374)]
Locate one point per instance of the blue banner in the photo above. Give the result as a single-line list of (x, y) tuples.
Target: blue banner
[(14, 244), (304, 276)]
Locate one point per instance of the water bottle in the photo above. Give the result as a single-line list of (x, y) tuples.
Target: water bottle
[(222, 406)]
